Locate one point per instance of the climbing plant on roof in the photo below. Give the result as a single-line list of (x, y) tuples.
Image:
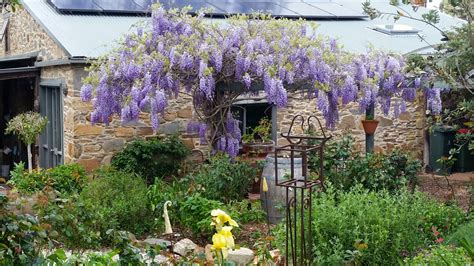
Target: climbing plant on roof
[(215, 62)]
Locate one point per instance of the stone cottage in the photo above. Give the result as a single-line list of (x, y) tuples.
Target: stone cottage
[(44, 52)]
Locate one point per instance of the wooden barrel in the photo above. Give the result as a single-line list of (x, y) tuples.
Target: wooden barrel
[(273, 201)]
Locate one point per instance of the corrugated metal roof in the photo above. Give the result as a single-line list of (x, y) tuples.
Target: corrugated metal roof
[(80, 35), (93, 35)]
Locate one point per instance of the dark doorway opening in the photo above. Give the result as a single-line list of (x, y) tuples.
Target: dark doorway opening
[(250, 114), (16, 96)]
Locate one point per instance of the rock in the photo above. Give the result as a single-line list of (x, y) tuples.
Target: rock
[(185, 113), (385, 122), (169, 116), (124, 132), (89, 164), (107, 160), (184, 246), (241, 256), (172, 128), (113, 145), (144, 131), (347, 122), (161, 260), (85, 130), (209, 257), (157, 242)]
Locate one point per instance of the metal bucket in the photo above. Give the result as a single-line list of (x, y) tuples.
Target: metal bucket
[(273, 201)]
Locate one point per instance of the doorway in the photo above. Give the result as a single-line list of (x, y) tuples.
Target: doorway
[(16, 96)]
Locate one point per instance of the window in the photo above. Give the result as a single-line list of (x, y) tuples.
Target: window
[(249, 113)]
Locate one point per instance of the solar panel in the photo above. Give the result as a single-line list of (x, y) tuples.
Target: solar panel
[(75, 5), (239, 7), (307, 11), (120, 6), (338, 10), (195, 5)]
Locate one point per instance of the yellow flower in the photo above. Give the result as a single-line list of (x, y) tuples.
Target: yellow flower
[(219, 218), (218, 241), (223, 240), (229, 238), (264, 185)]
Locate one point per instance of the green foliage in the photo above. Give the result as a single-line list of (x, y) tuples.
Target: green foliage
[(223, 179), (263, 132), (246, 211), (64, 179), (440, 255), (118, 200), (27, 126), (344, 167), (152, 158), (195, 214), (112, 200), (21, 237), (71, 223), (389, 225), (162, 191), (464, 231)]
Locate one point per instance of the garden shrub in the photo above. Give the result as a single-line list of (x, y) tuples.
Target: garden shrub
[(223, 179), (344, 167), (152, 158), (195, 214), (464, 231), (66, 179), (71, 223), (440, 255), (391, 225), (118, 201), (21, 237)]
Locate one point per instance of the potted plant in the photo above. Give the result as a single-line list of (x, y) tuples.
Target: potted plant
[(258, 142), (369, 124), (27, 126)]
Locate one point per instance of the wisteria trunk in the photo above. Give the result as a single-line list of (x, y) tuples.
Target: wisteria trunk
[(30, 158)]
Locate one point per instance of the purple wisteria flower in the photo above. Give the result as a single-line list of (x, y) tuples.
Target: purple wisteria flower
[(182, 54)]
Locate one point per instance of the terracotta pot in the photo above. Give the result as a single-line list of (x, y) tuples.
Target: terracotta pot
[(370, 126)]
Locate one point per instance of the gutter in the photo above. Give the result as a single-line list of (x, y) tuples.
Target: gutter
[(62, 62)]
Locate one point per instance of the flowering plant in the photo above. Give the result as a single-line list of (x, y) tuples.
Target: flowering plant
[(223, 240), (213, 63)]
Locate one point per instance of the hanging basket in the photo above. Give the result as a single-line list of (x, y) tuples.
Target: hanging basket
[(370, 126)]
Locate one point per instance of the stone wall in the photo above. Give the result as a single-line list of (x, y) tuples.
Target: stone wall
[(404, 132), (25, 35), (93, 145)]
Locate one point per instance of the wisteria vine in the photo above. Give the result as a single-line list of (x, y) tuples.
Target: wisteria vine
[(216, 62)]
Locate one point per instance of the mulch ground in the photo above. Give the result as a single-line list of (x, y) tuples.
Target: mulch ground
[(458, 187)]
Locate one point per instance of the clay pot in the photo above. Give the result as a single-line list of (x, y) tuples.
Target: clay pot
[(370, 126)]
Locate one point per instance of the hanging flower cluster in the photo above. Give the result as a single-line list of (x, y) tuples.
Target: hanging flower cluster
[(215, 62)]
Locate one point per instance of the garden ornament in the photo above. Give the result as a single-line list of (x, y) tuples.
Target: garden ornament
[(168, 229)]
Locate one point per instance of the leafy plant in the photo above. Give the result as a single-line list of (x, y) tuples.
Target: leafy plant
[(223, 179), (118, 199), (440, 255), (247, 211), (152, 158), (64, 179), (465, 231), (194, 214), (388, 225), (27, 126), (70, 222), (21, 237), (344, 167), (262, 132)]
